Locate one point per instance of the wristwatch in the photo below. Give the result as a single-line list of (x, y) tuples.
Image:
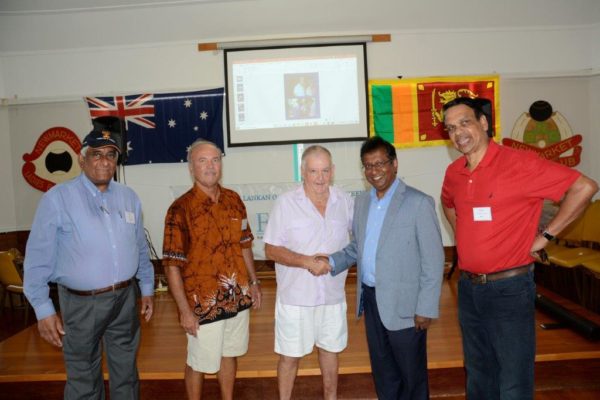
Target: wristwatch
[(548, 236), (255, 282)]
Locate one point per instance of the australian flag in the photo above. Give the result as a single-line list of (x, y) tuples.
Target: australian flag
[(161, 127)]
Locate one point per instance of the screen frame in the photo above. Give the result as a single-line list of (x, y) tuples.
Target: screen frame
[(232, 137)]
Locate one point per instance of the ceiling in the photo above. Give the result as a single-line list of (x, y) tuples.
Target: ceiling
[(49, 25), (14, 7)]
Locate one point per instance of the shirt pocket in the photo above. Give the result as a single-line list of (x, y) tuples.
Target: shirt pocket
[(338, 233), (67, 228), (299, 230), (66, 231), (126, 222), (235, 229)]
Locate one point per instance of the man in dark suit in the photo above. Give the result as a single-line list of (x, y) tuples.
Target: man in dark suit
[(397, 247)]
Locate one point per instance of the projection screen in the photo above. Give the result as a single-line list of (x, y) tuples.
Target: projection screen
[(298, 94)]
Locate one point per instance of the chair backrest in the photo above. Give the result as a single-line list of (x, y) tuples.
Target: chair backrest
[(8, 271), (15, 253), (591, 223)]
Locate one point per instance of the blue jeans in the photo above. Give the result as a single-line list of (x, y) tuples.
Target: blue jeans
[(497, 320)]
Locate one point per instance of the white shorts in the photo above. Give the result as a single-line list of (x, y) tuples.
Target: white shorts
[(299, 328), (226, 338)]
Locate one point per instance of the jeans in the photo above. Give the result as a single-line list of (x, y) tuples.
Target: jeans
[(497, 320)]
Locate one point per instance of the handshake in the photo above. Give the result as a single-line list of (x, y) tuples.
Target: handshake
[(317, 264)]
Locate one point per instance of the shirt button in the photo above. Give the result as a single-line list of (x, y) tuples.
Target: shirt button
[(470, 180)]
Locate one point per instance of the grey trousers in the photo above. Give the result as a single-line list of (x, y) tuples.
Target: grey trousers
[(110, 318)]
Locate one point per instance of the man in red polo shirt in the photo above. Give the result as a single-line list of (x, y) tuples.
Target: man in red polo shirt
[(492, 197)]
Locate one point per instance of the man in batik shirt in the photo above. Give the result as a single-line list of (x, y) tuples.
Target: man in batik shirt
[(207, 256)]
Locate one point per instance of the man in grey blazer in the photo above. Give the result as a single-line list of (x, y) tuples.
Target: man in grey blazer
[(397, 247)]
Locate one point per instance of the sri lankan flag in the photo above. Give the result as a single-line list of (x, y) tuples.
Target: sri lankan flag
[(408, 112)]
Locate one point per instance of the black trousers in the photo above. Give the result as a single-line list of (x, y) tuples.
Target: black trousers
[(398, 358)]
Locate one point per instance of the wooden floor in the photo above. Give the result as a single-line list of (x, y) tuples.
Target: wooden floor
[(26, 360)]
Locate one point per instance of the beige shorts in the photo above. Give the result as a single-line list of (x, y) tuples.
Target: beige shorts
[(298, 329), (226, 338)]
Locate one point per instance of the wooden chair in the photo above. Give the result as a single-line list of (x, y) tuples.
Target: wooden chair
[(593, 238), (591, 228), (570, 237), (11, 282)]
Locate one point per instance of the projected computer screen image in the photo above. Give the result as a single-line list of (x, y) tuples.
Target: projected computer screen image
[(296, 94), (302, 96)]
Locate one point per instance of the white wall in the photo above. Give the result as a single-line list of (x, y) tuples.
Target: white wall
[(50, 60), (7, 197), (593, 138), (74, 73), (27, 123), (93, 25), (1, 76), (423, 168)]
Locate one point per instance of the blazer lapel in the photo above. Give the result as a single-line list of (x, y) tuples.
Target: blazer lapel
[(394, 208), (363, 215)]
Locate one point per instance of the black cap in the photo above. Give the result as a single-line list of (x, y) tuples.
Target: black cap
[(107, 132)]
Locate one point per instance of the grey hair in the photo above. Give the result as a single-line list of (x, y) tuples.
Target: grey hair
[(200, 142), (314, 149)]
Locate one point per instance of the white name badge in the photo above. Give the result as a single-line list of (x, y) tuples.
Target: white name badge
[(482, 214), (129, 217)]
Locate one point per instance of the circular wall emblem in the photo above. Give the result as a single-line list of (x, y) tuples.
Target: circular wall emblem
[(53, 159), (547, 133)]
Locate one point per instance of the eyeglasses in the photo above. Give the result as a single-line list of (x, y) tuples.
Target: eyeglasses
[(377, 165), (97, 155)]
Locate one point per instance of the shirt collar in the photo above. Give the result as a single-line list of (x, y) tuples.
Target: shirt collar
[(490, 153), (301, 194), (93, 189), (203, 197), (388, 194)]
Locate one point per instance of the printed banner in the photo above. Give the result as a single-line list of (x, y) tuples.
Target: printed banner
[(408, 112), (259, 199), (160, 127), (553, 152)]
